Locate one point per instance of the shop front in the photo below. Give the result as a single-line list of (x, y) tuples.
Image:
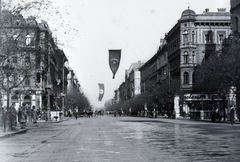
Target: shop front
[(200, 106)]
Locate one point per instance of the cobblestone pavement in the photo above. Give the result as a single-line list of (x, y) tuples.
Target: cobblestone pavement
[(105, 138), (19, 130)]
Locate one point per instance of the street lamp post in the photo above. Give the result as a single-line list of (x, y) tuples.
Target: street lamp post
[(8, 71), (223, 93), (202, 111), (48, 87), (48, 104), (169, 89), (63, 89), (224, 108), (224, 103), (63, 80)]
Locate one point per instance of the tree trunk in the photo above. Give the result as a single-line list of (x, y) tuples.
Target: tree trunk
[(238, 101)]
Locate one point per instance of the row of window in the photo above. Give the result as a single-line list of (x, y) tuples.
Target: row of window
[(17, 78), (187, 58), (15, 59), (186, 38), (208, 37), (174, 45), (28, 39)]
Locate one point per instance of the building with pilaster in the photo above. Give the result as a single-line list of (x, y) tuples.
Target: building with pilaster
[(235, 19), (190, 41), (29, 46), (133, 79), (73, 88)]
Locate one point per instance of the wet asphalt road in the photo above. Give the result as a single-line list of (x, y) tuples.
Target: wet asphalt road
[(106, 138)]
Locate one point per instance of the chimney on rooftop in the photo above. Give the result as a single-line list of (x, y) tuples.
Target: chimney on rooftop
[(221, 9), (162, 42)]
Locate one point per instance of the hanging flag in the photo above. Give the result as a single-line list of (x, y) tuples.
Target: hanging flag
[(101, 91), (114, 60)]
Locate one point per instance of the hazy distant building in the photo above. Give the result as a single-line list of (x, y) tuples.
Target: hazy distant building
[(132, 84), (149, 76), (133, 79)]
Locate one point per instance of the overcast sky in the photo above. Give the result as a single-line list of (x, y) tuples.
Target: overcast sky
[(88, 28)]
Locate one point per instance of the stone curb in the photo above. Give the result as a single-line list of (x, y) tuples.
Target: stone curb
[(10, 134), (20, 131)]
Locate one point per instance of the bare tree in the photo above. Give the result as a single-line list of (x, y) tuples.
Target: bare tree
[(17, 45), (221, 71)]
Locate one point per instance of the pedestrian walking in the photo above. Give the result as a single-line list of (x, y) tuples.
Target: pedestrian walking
[(232, 113), (34, 114), (14, 115), (213, 115), (120, 112), (154, 113), (145, 110), (21, 118), (174, 114)]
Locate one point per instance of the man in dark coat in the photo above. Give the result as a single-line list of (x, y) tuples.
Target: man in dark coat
[(232, 113)]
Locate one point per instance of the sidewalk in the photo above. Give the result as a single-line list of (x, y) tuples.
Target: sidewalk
[(177, 121), (201, 120), (209, 120), (160, 118), (17, 130), (30, 125)]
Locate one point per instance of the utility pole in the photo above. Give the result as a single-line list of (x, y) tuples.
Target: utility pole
[(1, 10), (9, 111), (63, 95), (49, 86), (169, 87)]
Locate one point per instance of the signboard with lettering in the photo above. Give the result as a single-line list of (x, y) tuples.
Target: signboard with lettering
[(199, 97)]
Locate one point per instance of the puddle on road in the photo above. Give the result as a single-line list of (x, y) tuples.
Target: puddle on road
[(112, 152), (108, 143)]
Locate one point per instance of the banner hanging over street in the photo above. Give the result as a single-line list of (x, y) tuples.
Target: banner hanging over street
[(114, 60), (101, 91)]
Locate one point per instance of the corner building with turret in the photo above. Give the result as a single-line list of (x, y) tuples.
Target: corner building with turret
[(190, 41)]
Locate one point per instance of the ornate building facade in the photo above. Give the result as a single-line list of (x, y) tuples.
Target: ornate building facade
[(189, 42), (31, 47)]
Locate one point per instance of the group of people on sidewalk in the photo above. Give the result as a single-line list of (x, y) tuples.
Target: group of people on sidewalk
[(23, 115), (217, 115)]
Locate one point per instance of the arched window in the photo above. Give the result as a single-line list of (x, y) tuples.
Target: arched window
[(185, 78), (27, 81), (193, 57), (237, 21), (185, 32), (15, 39), (193, 35), (185, 37), (14, 99), (28, 40), (185, 57), (27, 99)]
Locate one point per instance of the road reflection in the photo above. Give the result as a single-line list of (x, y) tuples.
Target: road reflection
[(185, 142)]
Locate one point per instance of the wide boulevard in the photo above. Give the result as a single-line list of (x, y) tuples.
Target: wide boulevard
[(119, 139)]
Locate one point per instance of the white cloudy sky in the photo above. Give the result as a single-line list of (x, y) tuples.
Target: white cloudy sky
[(88, 28)]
